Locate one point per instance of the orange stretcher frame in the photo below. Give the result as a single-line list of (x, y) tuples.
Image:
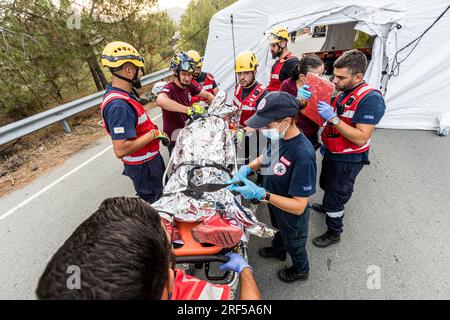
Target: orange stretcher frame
[(192, 247)]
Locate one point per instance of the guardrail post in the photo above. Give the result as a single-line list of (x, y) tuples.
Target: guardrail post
[(65, 126)]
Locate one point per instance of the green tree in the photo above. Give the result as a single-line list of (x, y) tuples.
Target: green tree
[(44, 60), (194, 24)]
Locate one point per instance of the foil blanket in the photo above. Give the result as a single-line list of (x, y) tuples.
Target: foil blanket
[(205, 153)]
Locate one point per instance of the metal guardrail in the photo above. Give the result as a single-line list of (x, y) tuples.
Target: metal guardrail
[(21, 128)]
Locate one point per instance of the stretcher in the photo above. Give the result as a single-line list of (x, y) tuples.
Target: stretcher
[(192, 256)]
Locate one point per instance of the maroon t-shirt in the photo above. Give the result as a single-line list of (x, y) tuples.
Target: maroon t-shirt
[(175, 120), (309, 127)]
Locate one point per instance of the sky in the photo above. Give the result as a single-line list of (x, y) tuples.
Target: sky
[(167, 4), (163, 4)]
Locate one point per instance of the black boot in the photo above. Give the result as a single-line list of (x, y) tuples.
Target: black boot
[(291, 274), (328, 238), (272, 252)]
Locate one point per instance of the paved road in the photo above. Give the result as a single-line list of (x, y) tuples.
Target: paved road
[(396, 223)]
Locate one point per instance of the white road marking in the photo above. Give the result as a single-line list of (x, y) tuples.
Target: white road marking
[(54, 183)]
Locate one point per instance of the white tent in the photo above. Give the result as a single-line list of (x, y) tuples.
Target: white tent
[(415, 97)]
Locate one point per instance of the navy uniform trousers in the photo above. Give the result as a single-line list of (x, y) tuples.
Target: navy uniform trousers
[(337, 179), (147, 178)]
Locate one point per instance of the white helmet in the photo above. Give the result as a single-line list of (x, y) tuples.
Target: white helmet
[(157, 87)]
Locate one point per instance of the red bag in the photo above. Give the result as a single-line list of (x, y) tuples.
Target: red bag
[(321, 90)]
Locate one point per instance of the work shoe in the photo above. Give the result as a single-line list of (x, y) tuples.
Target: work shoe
[(272, 252), (327, 239), (318, 207), (291, 274), (174, 234), (218, 231)]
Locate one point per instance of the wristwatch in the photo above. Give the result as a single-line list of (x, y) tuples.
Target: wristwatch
[(266, 198), (335, 120)]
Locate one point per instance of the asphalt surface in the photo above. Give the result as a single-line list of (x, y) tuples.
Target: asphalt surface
[(396, 223)]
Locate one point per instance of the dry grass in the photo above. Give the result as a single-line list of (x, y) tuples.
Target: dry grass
[(32, 156)]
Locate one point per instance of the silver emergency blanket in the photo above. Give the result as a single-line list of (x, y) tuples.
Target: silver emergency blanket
[(205, 153)]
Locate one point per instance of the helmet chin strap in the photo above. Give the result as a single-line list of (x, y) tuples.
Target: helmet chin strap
[(280, 50), (135, 82), (179, 80)]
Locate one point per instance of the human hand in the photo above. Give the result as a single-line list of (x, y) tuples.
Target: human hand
[(196, 109), (304, 93), (249, 190), (241, 174), (236, 263), (325, 110), (161, 136)]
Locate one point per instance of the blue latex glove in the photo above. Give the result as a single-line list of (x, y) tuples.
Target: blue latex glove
[(304, 93), (249, 191), (242, 174), (237, 263), (322, 150), (325, 110)]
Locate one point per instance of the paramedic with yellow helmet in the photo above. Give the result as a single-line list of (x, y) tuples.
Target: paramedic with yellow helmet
[(135, 137), (285, 60)]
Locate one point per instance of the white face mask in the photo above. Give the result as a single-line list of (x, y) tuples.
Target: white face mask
[(273, 133)]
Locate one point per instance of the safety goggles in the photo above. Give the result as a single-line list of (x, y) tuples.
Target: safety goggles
[(273, 38), (118, 58), (187, 66)]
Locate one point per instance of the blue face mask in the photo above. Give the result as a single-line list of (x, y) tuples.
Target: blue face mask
[(273, 133)]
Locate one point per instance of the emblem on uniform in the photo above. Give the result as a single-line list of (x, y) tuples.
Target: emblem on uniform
[(279, 169), (261, 104)]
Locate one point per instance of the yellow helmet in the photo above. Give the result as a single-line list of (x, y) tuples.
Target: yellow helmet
[(246, 61), (117, 53), (278, 34), (196, 57)]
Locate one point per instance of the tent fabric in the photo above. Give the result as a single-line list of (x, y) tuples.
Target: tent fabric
[(415, 98)]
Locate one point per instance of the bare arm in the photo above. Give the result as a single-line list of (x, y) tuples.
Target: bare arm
[(207, 95), (295, 205), (170, 105), (249, 288), (256, 164), (216, 91), (359, 135), (123, 148)]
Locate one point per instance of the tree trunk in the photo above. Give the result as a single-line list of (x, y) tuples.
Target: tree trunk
[(97, 73)]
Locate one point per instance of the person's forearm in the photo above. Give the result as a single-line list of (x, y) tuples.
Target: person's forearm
[(170, 105), (207, 95), (291, 205), (256, 164), (127, 147), (249, 288), (352, 134)]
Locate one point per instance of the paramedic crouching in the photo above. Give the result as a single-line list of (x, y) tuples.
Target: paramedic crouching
[(123, 252), (289, 171)]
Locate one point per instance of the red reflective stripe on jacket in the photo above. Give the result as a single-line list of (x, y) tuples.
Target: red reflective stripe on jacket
[(207, 85), (248, 105), (143, 126), (333, 140), (187, 287), (275, 83)]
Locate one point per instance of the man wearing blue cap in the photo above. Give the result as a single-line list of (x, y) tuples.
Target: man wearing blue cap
[(289, 173)]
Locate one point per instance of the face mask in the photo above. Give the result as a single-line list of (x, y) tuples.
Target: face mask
[(273, 133)]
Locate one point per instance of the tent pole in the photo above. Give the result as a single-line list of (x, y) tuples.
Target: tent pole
[(234, 49)]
